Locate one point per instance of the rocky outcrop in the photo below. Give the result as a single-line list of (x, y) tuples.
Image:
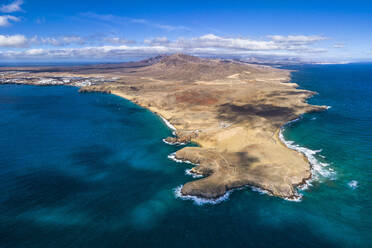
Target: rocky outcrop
[(181, 137)]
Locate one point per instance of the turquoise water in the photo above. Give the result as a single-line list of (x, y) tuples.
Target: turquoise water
[(91, 170)]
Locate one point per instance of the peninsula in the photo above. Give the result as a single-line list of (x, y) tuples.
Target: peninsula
[(232, 110)]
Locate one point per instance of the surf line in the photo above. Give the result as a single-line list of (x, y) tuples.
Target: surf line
[(317, 167)]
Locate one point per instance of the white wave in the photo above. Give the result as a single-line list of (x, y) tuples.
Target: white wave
[(166, 142), (353, 184), (168, 123), (194, 175), (304, 186), (290, 122), (318, 168), (172, 156), (259, 190), (296, 198), (174, 143), (225, 197), (201, 201)]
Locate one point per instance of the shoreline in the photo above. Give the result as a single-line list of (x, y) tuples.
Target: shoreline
[(317, 167), (279, 136)]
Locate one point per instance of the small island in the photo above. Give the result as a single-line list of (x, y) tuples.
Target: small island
[(234, 111)]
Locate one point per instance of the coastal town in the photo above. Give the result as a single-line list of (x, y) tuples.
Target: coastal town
[(27, 78)]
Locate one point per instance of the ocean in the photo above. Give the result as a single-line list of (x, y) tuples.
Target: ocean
[(91, 170)]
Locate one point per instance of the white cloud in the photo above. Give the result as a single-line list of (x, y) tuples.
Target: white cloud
[(339, 45), (36, 51), (120, 20), (209, 44), (303, 39), (40, 20), (213, 41), (62, 41), (94, 52), (117, 40), (15, 6), (157, 41), (13, 41), (168, 27), (7, 19), (12, 7), (78, 40)]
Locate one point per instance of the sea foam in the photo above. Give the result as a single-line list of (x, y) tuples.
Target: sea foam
[(194, 175), (173, 143), (318, 168), (172, 156), (353, 184), (201, 201), (168, 124)]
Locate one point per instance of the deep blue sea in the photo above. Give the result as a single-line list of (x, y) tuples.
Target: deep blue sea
[(91, 170)]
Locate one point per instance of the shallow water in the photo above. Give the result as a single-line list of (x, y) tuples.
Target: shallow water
[(91, 170)]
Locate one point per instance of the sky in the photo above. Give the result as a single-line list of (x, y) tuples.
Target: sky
[(113, 30)]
